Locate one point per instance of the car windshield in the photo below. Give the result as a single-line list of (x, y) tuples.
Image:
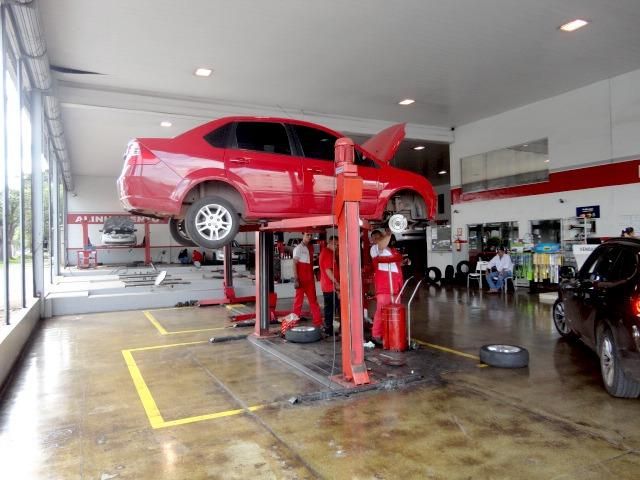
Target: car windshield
[(122, 224)]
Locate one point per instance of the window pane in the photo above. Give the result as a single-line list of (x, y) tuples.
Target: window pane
[(516, 165), (316, 143), (219, 137), (263, 137), (28, 211)]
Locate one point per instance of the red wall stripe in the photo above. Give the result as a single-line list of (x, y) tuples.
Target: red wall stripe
[(619, 173)]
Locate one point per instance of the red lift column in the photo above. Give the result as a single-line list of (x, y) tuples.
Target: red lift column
[(347, 212)]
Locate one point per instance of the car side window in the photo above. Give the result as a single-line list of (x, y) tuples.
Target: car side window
[(599, 267), (263, 137), (315, 143), (626, 265), (219, 137)]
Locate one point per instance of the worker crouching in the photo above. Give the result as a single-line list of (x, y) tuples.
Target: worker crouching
[(387, 263)]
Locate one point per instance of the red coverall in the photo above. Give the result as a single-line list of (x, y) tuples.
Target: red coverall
[(307, 282), (381, 282)]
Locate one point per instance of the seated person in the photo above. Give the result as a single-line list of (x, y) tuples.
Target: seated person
[(183, 257), (500, 267)]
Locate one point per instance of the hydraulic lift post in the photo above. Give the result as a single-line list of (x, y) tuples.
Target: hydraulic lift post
[(264, 281), (347, 213)]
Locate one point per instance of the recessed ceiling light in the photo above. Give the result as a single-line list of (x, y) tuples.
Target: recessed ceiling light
[(419, 147), (165, 124), (573, 25), (406, 101), (442, 172), (546, 161), (525, 145), (202, 72)]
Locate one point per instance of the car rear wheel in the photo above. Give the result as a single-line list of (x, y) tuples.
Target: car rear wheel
[(616, 382), (560, 321), (179, 232), (212, 222)]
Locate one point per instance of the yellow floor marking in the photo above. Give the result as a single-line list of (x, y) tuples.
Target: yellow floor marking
[(154, 321), (209, 416), (231, 306), (171, 308), (450, 350), (155, 347), (149, 404)]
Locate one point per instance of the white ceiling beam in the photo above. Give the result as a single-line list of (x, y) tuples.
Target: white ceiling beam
[(75, 94)]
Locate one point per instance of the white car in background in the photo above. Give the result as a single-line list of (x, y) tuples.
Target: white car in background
[(119, 230)]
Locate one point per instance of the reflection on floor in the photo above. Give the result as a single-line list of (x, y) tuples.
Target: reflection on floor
[(140, 394)]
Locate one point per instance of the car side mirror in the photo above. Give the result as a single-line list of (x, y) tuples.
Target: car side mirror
[(567, 272)]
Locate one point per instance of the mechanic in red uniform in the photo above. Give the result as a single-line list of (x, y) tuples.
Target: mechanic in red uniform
[(384, 259), (304, 281), (330, 282)]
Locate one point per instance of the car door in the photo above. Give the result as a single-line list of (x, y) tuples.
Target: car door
[(259, 161), (317, 148), (582, 298)]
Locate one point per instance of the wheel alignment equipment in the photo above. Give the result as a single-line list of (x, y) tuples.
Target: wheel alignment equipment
[(346, 215)]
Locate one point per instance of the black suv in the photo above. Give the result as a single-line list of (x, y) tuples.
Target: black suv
[(601, 306)]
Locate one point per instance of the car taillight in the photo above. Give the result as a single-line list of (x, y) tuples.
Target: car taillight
[(635, 305), (139, 155)]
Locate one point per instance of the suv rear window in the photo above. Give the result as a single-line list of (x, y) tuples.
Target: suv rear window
[(263, 137)]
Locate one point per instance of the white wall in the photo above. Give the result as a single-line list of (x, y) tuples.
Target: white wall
[(593, 125)]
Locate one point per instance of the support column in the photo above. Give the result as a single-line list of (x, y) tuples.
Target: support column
[(5, 163), (262, 283), (37, 235), (54, 247)]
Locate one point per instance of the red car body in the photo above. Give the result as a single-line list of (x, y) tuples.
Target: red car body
[(265, 168)]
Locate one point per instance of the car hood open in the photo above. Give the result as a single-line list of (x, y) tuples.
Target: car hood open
[(384, 145)]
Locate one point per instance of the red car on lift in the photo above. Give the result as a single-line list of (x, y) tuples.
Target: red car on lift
[(245, 170)]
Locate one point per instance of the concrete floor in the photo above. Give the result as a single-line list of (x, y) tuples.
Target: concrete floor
[(129, 395)]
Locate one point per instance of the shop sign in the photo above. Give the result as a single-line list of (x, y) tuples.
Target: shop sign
[(99, 218), (592, 211)]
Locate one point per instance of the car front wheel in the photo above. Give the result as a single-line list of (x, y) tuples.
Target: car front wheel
[(179, 232), (560, 321), (615, 380), (212, 222)]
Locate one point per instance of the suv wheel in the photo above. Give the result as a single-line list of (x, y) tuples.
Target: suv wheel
[(560, 321), (615, 380), (179, 233), (212, 222)]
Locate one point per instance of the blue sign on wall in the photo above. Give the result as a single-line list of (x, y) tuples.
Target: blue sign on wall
[(588, 212)]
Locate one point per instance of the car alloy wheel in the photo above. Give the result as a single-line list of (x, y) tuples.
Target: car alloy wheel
[(560, 320), (616, 381), (607, 361), (504, 356), (212, 222)]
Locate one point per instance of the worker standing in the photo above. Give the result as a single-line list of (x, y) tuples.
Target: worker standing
[(330, 282), (304, 281), (384, 259)]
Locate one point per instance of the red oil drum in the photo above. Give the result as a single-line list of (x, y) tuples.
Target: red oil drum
[(394, 324)]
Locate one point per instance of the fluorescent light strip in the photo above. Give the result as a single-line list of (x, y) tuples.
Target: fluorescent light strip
[(573, 25), (202, 72), (406, 101)]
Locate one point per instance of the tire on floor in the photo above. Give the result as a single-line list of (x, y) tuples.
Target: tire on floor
[(504, 356), (303, 334)]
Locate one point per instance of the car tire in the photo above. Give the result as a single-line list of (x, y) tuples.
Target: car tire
[(560, 321), (303, 334), (179, 233), (504, 356), (616, 382), (433, 274), (449, 274), (463, 267), (224, 222)]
